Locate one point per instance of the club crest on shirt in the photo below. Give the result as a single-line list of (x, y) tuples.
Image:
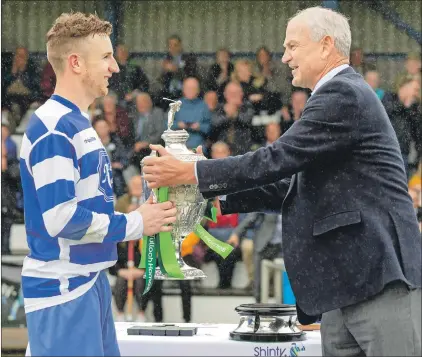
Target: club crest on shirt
[(105, 185)]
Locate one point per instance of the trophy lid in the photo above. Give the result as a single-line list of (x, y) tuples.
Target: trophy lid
[(266, 309)]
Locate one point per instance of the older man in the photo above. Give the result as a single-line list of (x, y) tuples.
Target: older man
[(148, 124), (351, 242)]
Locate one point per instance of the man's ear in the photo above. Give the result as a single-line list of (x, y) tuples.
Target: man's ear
[(75, 62), (327, 46)]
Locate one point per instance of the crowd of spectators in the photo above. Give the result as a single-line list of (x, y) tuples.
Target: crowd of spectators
[(232, 107)]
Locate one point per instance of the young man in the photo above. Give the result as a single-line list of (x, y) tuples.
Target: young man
[(72, 229)]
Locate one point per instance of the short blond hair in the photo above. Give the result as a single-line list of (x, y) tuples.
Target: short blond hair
[(67, 32)]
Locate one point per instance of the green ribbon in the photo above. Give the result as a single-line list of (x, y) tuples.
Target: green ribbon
[(210, 212), (221, 248), (148, 261), (163, 244), (166, 253)]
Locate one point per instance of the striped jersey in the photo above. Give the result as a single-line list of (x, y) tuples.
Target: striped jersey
[(72, 229)]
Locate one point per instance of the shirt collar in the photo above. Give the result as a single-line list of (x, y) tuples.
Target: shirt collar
[(69, 104), (329, 76)]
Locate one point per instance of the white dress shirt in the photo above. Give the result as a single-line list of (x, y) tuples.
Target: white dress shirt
[(328, 76)]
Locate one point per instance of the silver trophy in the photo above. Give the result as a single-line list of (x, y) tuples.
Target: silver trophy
[(189, 202)]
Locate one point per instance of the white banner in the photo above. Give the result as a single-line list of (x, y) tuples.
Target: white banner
[(211, 340)]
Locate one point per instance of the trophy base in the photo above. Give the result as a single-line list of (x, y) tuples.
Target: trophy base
[(189, 273)]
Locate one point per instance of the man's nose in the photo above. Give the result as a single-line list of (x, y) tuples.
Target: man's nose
[(286, 57), (115, 66)]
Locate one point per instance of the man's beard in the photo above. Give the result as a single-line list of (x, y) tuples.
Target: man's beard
[(96, 89)]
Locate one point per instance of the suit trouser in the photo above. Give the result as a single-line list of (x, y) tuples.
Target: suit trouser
[(388, 324), (270, 252)]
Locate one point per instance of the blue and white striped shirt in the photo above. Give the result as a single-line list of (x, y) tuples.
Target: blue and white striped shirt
[(72, 229)]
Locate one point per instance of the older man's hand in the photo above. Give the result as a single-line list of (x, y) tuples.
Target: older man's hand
[(166, 170)]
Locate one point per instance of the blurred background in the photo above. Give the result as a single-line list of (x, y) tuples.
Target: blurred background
[(223, 59)]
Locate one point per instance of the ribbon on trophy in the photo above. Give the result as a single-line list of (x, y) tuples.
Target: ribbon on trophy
[(160, 247)]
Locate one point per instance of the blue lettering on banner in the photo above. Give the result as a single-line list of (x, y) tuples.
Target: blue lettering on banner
[(279, 351), (269, 351)]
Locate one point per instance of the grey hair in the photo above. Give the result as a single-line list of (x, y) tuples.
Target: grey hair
[(326, 22), (143, 94)]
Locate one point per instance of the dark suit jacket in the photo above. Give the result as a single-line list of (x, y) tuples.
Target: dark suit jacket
[(349, 227)]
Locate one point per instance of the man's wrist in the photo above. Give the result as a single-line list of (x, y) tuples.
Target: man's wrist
[(189, 173)]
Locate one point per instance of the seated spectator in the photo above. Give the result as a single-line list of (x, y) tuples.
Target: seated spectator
[(272, 132), (48, 82), (415, 187), (253, 85), (149, 123), (192, 68), (130, 79), (220, 71), (294, 110), (117, 153), (173, 68), (373, 79), (412, 67), (358, 61), (118, 120), (232, 122), (413, 64), (278, 79), (95, 108), (21, 86), (416, 179), (266, 242), (211, 100), (403, 109), (222, 229), (11, 147), (10, 185), (194, 115), (125, 204)]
